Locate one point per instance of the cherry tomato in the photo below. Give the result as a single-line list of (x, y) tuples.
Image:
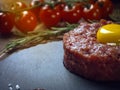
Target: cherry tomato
[(18, 6), (26, 21), (49, 16), (92, 1), (106, 7), (60, 6), (72, 15), (6, 23), (37, 5), (92, 13)]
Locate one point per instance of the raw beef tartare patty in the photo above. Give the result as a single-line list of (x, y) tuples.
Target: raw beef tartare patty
[(85, 56)]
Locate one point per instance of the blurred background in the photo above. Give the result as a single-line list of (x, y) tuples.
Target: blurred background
[(7, 1)]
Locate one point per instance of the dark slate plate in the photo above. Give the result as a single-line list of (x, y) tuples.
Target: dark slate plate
[(42, 66)]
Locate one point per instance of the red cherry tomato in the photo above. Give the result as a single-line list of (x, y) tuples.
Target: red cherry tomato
[(72, 15), (60, 6), (92, 13), (18, 6), (6, 23), (49, 16), (106, 7), (26, 21), (92, 1), (36, 6)]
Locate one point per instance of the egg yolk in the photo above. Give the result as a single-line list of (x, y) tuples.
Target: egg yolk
[(109, 34)]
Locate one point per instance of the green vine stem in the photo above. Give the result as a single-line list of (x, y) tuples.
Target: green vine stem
[(41, 37)]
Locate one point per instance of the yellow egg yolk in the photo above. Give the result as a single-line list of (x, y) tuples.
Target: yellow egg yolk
[(109, 34)]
